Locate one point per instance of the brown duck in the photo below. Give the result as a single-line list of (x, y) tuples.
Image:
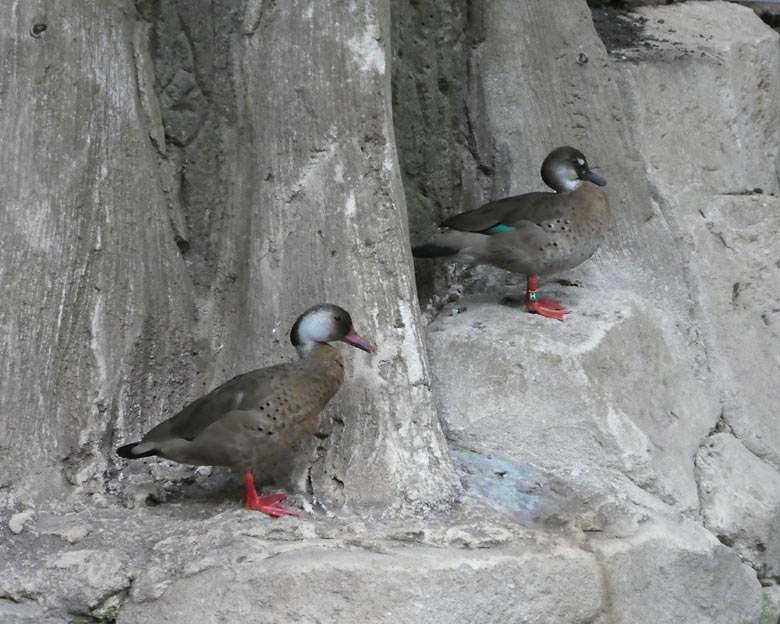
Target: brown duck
[(260, 415), (535, 233)]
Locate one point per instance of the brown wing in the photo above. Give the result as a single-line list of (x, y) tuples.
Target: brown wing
[(511, 212), (244, 392)]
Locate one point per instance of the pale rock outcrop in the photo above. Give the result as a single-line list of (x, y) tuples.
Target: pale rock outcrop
[(671, 338), (674, 571), (740, 503), (577, 395)]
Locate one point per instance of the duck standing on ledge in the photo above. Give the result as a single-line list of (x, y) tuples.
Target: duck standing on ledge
[(535, 233), (260, 415)]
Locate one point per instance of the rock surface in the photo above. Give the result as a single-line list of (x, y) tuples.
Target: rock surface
[(739, 502), (616, 468), (213, 562), (677, 572), (125, 299), (671, 340), (640, 410)]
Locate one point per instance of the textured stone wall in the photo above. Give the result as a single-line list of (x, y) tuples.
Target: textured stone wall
[(96, 312), (659, 382), (178, 190)]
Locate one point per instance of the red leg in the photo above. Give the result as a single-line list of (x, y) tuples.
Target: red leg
[(546, 307), (267, 504)]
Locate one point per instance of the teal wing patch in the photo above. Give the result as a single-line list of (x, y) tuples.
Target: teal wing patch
[(499, 228)]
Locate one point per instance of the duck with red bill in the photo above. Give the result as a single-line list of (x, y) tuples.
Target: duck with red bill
[(263, 414)]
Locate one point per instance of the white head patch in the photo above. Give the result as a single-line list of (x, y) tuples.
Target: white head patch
[(567, 177), (316, 327)]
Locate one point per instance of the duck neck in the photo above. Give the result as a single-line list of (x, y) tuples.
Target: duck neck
[(304, 350), (568, 186), (310, 350)]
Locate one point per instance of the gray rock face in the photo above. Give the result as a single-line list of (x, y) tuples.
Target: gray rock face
[(184, 178), (671, 339), (217, 563), (139, 274), (526, 374), (739, 501), (95, 305), (676, 571), (359, 580)]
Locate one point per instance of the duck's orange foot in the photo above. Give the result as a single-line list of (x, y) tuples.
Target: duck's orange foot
[(266, 504), (269, 505), (547, 307)]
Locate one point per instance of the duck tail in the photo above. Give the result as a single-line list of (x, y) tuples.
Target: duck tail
[(126, 451), (433, 250)]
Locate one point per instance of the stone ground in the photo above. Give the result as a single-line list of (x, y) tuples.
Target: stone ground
[(543, 553)]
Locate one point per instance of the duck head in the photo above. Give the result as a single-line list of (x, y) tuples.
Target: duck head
[(325, 323), (565, 168)]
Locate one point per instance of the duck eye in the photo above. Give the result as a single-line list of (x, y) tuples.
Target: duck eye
[(337, 318)]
